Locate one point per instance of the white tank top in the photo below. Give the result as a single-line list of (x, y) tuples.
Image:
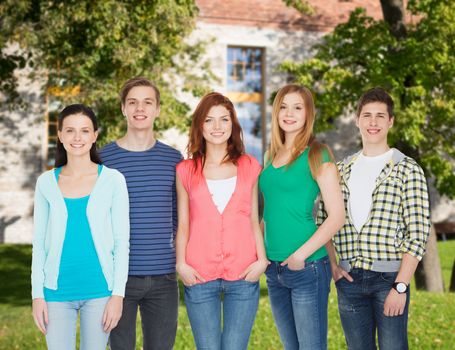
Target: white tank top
[(221, 191), (361, 185)]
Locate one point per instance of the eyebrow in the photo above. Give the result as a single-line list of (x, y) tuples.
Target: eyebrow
[(145, 99), (368, 113), (226, 115), (72, 127), (298, 103)]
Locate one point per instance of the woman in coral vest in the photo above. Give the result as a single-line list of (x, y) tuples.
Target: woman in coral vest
[(220, 251)]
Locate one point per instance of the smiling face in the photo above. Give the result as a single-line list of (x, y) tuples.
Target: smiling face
[(291, 117), (141, 108), (77, 134), (374, 123), (217, 126)]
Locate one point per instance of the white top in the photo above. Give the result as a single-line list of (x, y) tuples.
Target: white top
[(361, 184), (221, 191)]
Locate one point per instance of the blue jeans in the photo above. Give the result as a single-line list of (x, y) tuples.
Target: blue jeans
[(361, 306), (240, 301), (299, 303), (158, 299), (61, 330)]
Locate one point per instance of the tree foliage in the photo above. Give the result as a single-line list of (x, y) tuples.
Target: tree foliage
[(301, 5), (88, 49), (418, 69)]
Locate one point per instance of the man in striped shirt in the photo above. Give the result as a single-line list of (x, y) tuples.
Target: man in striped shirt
[(149, 168), (384, 237)]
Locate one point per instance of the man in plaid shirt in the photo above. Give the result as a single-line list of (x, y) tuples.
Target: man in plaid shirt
[(384, 237)]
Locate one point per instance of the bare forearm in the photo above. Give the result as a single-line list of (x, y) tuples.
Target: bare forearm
[(180, 246), (407, 268), (323, 234), (331, 252), (259, 238)]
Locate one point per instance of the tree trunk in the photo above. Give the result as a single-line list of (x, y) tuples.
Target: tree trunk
[(452, 279), (393, 12), (428, 275)]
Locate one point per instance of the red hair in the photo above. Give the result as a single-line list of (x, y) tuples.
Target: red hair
[(197, 147)]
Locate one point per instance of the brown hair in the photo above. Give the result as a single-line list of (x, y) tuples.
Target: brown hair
[(197, 145), (138, 81), (61, 157), (305, 137), (376, 94)]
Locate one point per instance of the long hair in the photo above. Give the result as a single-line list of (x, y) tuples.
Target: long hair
[(197, 146), (61, 157), (305, 137)]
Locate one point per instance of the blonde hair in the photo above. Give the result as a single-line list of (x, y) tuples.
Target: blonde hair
[(305, 137)]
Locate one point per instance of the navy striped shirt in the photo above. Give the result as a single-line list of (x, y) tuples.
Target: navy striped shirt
[(150, 177)]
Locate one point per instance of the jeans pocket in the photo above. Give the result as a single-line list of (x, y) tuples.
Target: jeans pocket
[(250, 282), (389, 276), (307, 267), (337, 282), (171, 277)]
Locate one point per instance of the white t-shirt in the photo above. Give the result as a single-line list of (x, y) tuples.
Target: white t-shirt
[(361, 184), (221, 191)]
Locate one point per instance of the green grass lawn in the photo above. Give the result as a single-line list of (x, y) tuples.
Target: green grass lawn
[(431, 321)]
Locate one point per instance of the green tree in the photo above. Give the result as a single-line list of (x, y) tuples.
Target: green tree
[(415, 62), (417, 69), (88, 49)]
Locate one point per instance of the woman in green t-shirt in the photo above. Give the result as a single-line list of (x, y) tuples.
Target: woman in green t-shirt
[(297, 169)]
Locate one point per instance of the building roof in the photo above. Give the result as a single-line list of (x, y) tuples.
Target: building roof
[(275, 13)]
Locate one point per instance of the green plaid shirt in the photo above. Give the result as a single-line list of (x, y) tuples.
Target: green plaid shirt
[(399, 219)]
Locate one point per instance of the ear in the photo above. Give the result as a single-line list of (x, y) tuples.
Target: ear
[(96, 136), (158, 111), (122, 108), (59, 135), (357, 121), (391, 120)]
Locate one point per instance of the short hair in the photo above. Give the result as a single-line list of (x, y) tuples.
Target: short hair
[(138, 81), (376, 94)]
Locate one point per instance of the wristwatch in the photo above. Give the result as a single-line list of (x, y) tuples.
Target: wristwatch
[(400, 287)]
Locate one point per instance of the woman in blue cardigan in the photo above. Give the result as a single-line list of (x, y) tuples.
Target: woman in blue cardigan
[(81, 239)]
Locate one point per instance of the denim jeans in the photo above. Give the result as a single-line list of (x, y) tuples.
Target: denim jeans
[(361, 306), (157, 298), (239, 300), (299, 303), (61, 329)]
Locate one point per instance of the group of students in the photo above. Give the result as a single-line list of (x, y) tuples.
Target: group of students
[(112, 231)]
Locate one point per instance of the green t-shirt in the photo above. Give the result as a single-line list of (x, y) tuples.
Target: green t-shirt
[(289, 196)]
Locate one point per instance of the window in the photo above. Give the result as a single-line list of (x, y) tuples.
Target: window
[(245, 89), (51, 137)]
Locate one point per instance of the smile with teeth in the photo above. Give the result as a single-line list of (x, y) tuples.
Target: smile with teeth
[(373, 131), (289, 121), (140, 117), (217, 134), (77, 145)]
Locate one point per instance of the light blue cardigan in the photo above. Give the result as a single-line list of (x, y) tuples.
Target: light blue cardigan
[(108, 217)]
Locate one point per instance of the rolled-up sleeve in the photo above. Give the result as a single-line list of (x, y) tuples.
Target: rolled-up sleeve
[(416, 213)]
